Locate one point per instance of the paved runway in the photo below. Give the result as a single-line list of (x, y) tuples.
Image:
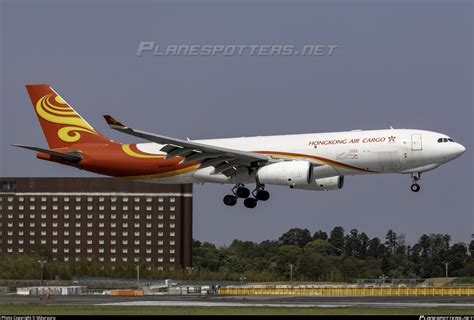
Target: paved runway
[(254, 301)]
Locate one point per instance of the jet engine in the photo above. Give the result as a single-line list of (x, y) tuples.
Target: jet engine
[(323, 184), (289, 173)]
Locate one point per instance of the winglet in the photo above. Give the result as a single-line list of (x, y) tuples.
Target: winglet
[(113, 123)]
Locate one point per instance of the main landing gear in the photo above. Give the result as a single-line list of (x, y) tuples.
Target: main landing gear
[(240, 191), (415, 187)]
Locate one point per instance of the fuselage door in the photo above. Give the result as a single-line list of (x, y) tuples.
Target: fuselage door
[(416, 142)]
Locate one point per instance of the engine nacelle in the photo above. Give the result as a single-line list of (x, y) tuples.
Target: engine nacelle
[(286, 173), (323, 184)]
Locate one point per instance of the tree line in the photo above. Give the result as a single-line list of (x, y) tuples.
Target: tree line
[(338, 256), (319, 256)]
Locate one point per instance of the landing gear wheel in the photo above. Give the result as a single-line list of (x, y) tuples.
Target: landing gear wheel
[(230, 200), (250, 203), (242, 192), (415, 187), (262, 195)]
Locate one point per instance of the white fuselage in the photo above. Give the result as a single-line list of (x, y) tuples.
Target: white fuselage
[(336, 153)]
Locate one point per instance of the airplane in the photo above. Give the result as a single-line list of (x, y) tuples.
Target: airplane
[(314, 161)]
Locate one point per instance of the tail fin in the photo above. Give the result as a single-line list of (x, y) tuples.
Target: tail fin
[(62, 125)]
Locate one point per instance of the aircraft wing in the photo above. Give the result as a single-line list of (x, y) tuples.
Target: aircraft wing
[(224, 160)]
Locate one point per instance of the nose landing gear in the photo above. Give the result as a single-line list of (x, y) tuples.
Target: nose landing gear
[(415, 187)]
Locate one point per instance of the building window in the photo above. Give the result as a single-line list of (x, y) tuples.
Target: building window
[(160, 251), (137, 199), (137, 208), (125, 216), (31, 207), (101, 250), (55, 241), (172, 251), (89, 199), (160, 225), (160, 199), (101, 199), (113, 233), (172, 225), (32, 241), (160, 217), (89, 241), (136, 242), (55, 199), (101, 216), (66, 216), (113, 225), (22, 207), (43, 207), (101, 225), (125, 208), (124, 199), (78, 224), (148, 208), (136, 250), (78, 216), (78, 233), (137, 225), (136, 259), (101, 208), (89, 216), (89, 233), (172, 208), (124, 259), (125, 225), (160, 208), (124, 241), (113, 259), (55, 207), (21, 216), (113, 208), (124, 250), (89, 250), (66, 208), (113, 217), (21, 199), (137, 234), (43, 199), (172, 259), (66, 199), (125, 233), (160, 234), (148, 216), (172, 199), (78, 199), (66, 233), (172, 234), (55, 233), (113, 241), (148, 234), (160, 242), (148, 199), (148, 225), (137, 216), (101, 259), (32, 199), (101, 241), (172, 242), (113, 250), (172, 217), (66, 225), (160, 259), (113, 199), (43, 241), (101, 233), (148, 242), (90, 208), (78, 208)]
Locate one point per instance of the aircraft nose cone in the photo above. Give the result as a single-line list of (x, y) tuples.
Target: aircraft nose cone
[(458, 150)]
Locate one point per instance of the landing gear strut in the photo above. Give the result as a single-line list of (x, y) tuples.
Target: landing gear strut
[(415, 187)]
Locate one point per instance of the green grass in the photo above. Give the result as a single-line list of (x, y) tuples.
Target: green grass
[(42, 309)]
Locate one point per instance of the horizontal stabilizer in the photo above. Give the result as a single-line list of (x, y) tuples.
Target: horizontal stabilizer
[(72, 156)]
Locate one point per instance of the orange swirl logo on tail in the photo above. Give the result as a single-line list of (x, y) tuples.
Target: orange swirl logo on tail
[(53, 108)]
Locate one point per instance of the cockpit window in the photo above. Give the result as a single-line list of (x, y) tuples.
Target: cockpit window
[(440, 140), (449, 139), (445, 140)]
